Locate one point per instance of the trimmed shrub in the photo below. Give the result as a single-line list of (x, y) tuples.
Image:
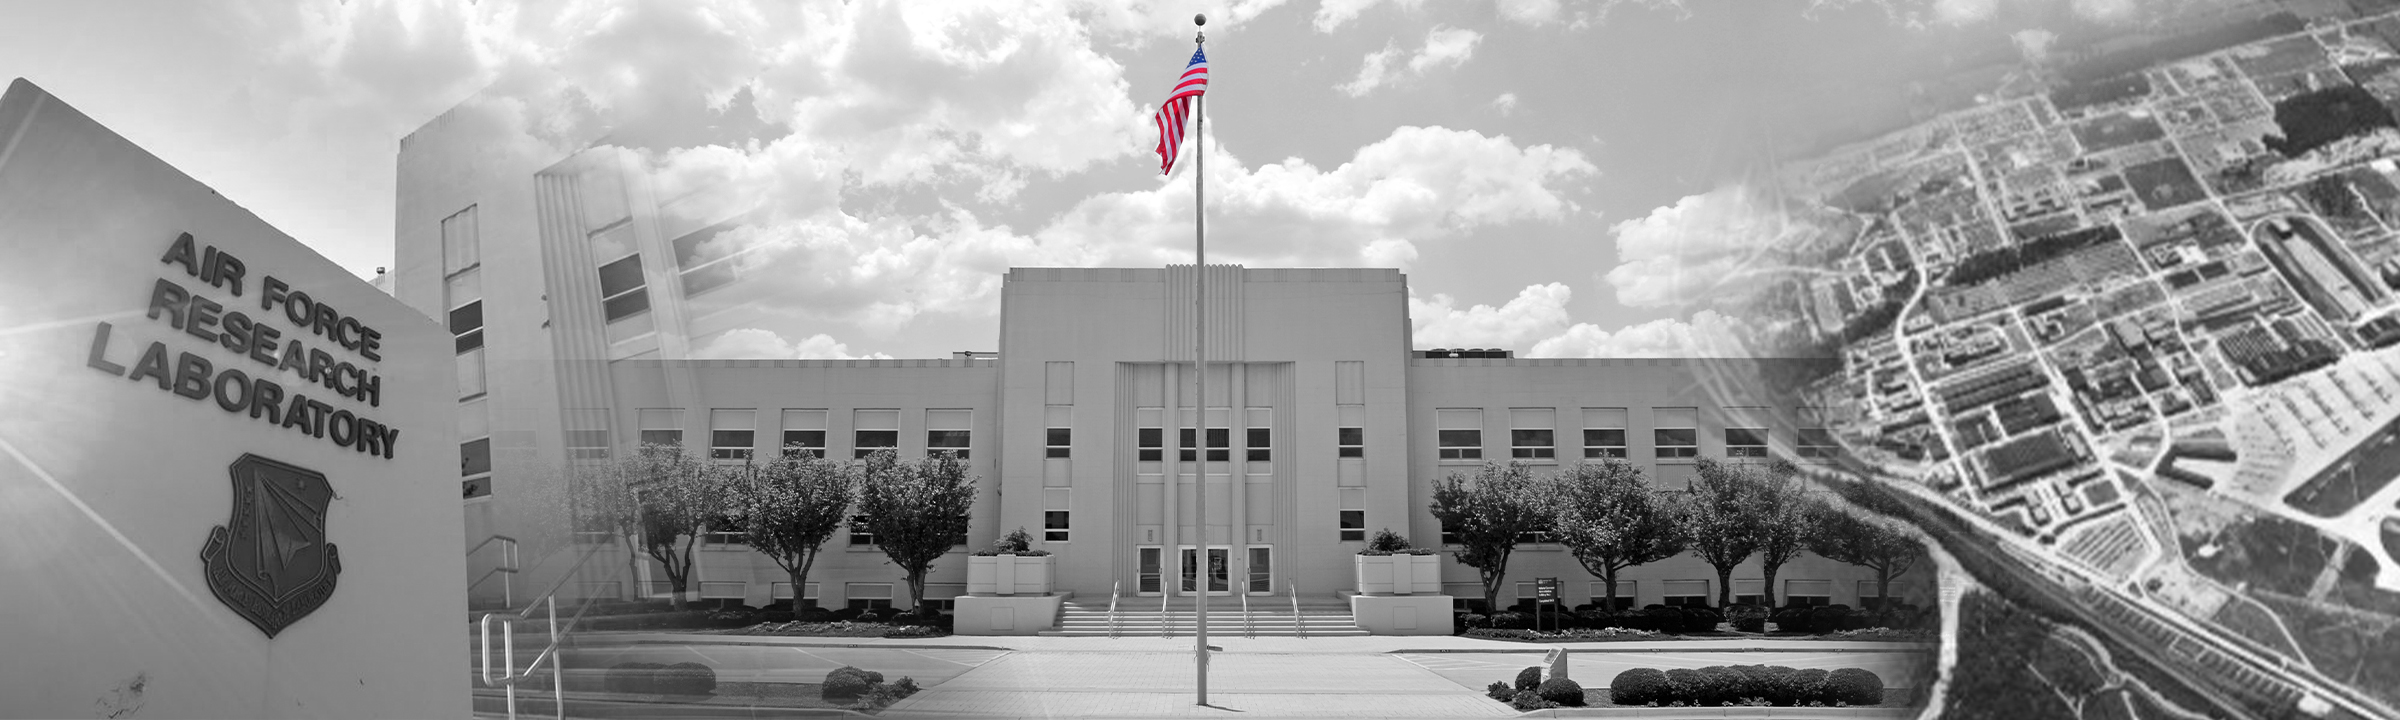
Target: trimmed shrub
[(1512, 620), (1720, 684), (1562, 691), (1499, 690), (848, 683), (1474, 620), (1528, 700), (1529, 678), (1855, 686), (632, 678), (687, 678), (1805, 686), (844, 614), (1682, 683), (814, 614), (1638, 686)]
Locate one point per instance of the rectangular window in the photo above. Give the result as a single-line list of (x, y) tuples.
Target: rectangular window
[(731, 434), (1749, 591), (804, 432), (948, 431), (462, 242), (1148, 573), (1867, 594), (470, 374), (1627, 590), (1808, 592), (1354, 525), (874, 430), (723, 530), (475, 457), (858, 531), (783, 591), (1259, 444), (1684, 592), (1816, 443), (662, 427), (1746, 443), (861, 596), (1054, 526), (1604, 432), (466, 326), (1150, 443), (623, 291), (1460, 433), (707, 261), (1532, 537), (1532, 433), (944, 596), (1058, 442), (1675, 432), (1350, 442), (587, 434), (1220, 444)]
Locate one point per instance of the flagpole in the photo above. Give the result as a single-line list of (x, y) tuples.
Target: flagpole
[(1200, 362)]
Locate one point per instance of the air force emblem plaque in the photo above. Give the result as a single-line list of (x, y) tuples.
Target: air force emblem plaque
[(271, 562)]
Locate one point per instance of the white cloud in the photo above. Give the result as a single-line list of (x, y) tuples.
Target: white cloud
[(1710, 247), (758, 344), (1449, 47), (2034, 43), (1333, 14), (1506, 103), (1373, 70), (1530, 12), (1535, 313), (1707, 334), (1963, 12), (1444, 47)]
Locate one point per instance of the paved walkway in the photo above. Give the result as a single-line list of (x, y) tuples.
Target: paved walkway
[(1060, 677)]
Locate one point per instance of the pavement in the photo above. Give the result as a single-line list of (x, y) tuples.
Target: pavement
[(1060, 677)]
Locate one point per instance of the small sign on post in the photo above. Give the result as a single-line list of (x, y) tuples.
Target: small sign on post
[(1545, 594)]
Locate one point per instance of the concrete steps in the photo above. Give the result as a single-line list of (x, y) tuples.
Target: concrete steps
[(1269, 617)]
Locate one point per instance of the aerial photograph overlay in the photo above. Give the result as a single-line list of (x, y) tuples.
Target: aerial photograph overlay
[(2120, 334)]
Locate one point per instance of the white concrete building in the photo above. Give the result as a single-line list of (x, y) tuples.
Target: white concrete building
[(577, 292)]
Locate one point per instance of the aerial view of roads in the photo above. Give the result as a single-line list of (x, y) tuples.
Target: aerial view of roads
[(2124, 335)]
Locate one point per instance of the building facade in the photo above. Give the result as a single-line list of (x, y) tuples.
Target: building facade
[(577, 287)]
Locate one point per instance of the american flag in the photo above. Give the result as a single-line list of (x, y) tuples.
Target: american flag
[(1178, 106)]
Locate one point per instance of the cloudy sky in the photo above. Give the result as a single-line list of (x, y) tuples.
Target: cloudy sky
[(1563, 178)]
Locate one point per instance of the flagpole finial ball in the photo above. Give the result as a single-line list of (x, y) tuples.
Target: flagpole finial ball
[(1199, 19)]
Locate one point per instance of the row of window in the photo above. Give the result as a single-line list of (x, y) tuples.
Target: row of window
[(733, 434), (1675, 434), (1750, 591)]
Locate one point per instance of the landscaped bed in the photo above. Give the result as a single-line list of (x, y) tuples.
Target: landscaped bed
[(838, 628)]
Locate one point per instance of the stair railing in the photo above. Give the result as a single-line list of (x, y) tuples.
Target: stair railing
[(509, 676), (507, 569), (1162, 616), (1298, 628), (1248, 630), (1112, 608)]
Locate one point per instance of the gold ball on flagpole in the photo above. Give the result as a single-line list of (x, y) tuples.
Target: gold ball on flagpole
[(1199, 19)]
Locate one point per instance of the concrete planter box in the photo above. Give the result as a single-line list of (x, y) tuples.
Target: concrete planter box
[(1009, 574), (1399, 574)]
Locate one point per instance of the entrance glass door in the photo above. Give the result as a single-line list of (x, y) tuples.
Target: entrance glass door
[(1219, 582), (1151, 578), (1262, 570)]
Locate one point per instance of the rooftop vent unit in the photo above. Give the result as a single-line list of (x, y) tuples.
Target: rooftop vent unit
[(1490, 353)]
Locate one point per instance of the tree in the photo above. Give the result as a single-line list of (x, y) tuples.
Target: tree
[(1487, 515), (1613, 519), (789, 507), (601, 501), (1872, 544), (1720, 522), (677, 494), (917, 510), (1785, 521)]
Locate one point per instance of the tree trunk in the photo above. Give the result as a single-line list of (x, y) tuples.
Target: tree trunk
[(1883, 586), (1608, 580), (800, 581), (633, 579), (1766, 592), (1724, 586), (1491, 590), (916, 590)]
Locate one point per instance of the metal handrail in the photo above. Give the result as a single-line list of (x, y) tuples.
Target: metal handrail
[(510, 564), (1298, 628), (1112, 608), (509, 676), (1162, 615), (1248, 631)]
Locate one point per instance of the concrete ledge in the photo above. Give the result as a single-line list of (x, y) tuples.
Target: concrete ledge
[(1402, 614), (1006, 615)]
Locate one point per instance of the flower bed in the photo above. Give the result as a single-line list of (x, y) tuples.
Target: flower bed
[(838, 628), (1567, 635), (1758, 685)]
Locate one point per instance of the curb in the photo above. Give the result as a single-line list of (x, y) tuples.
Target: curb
[(1545, 647)]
